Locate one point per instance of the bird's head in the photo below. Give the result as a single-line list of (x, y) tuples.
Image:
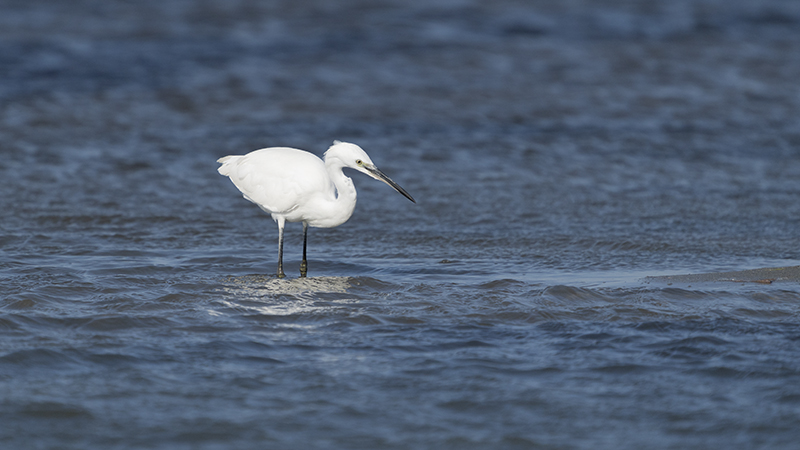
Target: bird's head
[(355, 157)]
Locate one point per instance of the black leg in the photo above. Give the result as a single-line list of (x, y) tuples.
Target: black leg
[(304, 262), (280, 250)]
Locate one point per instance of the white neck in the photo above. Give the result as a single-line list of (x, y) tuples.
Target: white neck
[(341, 208)]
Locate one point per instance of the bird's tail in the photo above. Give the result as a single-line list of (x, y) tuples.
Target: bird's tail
[(227, 164)]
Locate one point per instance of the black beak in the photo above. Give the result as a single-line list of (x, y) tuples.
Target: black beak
[(374, 172)]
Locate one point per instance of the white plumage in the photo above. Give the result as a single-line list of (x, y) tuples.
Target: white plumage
[(296, 186)]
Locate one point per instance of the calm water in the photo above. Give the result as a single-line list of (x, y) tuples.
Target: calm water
[(560, 152)]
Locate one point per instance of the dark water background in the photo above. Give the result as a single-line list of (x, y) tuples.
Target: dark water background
[(559, 152)]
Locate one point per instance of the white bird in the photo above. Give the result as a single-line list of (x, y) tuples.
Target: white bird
[(296, 186)]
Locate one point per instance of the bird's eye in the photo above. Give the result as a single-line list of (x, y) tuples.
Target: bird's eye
[(359, 162)]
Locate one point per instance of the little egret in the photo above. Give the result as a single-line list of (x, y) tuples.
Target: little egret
[(293, 185)]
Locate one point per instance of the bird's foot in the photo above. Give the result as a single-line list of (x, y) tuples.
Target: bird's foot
[(281, 274), (303, 269)]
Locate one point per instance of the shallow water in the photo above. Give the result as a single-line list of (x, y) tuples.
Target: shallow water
[(560, 153)]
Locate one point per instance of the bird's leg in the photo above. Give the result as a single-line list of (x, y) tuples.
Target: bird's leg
[(304, 262), (280, 249)]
